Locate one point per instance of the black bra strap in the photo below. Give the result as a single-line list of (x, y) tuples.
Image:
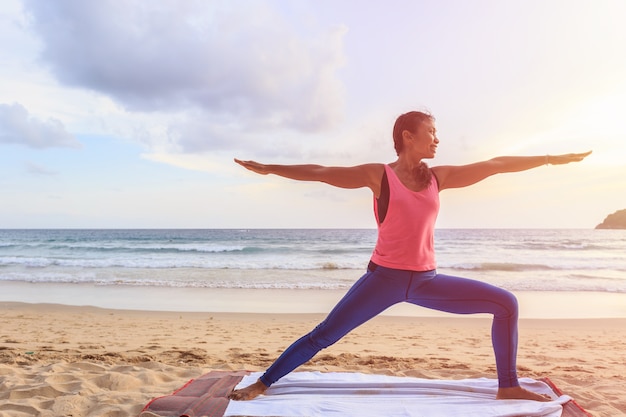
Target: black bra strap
[(383, 199)]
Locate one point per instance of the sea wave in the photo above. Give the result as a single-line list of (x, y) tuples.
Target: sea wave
[(164, 263), (146, 248), (324, 278), (597, 285), (502, 266), (59, 278), (567, 246)]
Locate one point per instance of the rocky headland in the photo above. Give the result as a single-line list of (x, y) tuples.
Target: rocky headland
[(616, 220)]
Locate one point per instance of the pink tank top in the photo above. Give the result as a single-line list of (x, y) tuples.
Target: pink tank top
[(406, 235)]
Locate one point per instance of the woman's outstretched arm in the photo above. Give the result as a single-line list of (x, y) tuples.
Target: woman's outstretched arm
[(367, 175), (450, 176)]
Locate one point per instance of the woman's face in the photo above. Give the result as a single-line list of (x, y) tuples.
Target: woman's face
[(424, 139)]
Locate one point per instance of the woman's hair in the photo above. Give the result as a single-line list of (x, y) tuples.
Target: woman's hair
[(410, 121), (407, 121)]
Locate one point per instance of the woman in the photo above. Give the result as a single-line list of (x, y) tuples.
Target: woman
[(402, 266)]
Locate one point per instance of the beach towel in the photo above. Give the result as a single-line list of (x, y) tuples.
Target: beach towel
[(355, 394)]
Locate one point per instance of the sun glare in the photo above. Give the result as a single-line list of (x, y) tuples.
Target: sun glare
[(595, 124), (598, 124)]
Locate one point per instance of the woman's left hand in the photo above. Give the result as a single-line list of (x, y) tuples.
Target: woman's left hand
[(566, 158)]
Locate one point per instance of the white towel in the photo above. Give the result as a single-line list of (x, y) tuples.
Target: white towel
[(309, 394)]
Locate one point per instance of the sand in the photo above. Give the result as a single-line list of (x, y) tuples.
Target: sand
[(83, 361)]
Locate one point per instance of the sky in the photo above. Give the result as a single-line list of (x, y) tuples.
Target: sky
[(128, 113)]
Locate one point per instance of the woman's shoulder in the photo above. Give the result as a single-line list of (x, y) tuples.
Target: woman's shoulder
[(373, 168)]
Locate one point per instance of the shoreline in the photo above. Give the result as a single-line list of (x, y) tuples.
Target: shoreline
[(533, 304), (71, 360)]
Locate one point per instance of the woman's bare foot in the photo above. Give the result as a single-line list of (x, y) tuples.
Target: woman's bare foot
[(249, 392), (519, 393)]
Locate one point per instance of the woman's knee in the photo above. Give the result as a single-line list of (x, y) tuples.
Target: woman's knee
[(509, 305), (323, 336)]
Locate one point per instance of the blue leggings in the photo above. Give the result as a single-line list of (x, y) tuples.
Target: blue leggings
[(383, 287)]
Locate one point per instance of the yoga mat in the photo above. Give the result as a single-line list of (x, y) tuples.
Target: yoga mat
[(357, 394)]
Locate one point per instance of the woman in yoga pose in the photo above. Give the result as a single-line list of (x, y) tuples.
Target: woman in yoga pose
[(402, 266)]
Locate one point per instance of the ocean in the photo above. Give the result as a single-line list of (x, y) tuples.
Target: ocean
[(37, 261)]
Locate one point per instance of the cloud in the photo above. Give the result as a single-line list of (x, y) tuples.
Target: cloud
[(36, 169), (239, 64), (17, 126)]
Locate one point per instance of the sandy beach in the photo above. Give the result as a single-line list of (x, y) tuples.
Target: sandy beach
[(58, 360)]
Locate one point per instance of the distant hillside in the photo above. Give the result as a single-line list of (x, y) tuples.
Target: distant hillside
[(616, 220)]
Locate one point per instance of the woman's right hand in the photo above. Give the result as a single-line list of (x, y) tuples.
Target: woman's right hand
[(254, 166)]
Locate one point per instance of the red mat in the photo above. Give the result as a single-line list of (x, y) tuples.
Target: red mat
[(207, 396), (570, 408)]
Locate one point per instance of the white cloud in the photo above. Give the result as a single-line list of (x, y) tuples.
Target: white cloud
[(37, 169), (19, 127), (245, 66)]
